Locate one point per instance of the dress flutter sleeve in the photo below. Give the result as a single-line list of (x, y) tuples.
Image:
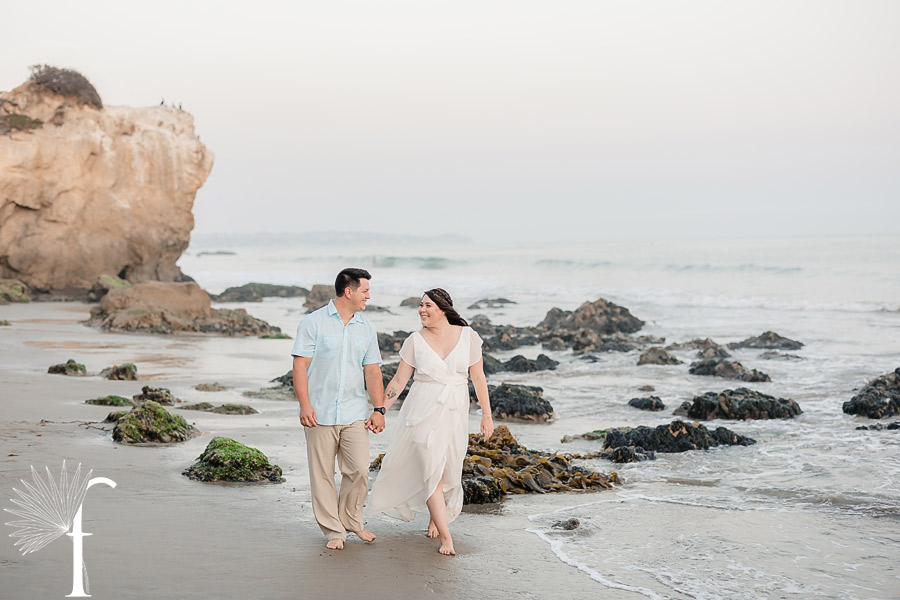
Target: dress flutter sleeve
[(408, 351), (475, 343)]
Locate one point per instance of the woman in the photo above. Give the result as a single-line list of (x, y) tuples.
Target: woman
[(422, 469)]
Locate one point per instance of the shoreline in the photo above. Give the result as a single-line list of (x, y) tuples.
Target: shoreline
[(160, 534)]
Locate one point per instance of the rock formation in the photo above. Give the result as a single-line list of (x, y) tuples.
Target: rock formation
[(729, 369), (657, 356), (742, 404), (228, 460), (878, 399), (769, 340), (86, 191)]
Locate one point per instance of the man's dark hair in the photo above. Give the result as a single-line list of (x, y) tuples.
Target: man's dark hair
[(349, 278)]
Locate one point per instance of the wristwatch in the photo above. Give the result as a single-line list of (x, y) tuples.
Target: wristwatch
[(379, 409)]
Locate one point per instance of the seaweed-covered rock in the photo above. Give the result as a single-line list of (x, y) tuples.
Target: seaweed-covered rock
[(210, 387), (706, 348), (520, 364), (481, 490), (150, 422), (115, 415), (490, 303), (769, 340), (597, 434), (878, 399), (601, 316), (519, 403), (652, 403), (154, 394), (677, 436), (742, 404), (682, 409), (70, 367), (4, 323), (204, 406), (124, 372), (318, 296), (13, 290), (104, 283), (627, 454), (234, 409), (228, 460), (729, 369), (657, 356), (110, 401), (881, 426), (255, 292)]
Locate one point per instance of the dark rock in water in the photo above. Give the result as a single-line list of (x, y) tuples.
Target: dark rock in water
[(110, 401), (742, 404), (520, 364), (677, 436), (881, 426), (770, 340), (491, 365), (228, 460), (150, 422), (601, 316), (70, 367), (152, 394), (554, 343), (683, 409), (125, 372), (412, 302), (729, 369), (255, 292), (878, 399), (481, 490), (627, 454), (503, 337), (591, 358), (597, 434), (568, 524), (390, 343), (773, 355), (585, 340), (657, 356), (706, 348), (519, 403), (490, 303), (210, 387), (318, 296), (648, 403), (646, 388), (387, 373)]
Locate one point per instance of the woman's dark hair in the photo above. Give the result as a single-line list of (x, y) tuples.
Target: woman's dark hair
[(349, 278), (440, 297)]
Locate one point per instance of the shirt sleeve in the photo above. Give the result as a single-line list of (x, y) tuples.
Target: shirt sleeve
[(408, 351), (373, 354), (475, 342), (305, 340)]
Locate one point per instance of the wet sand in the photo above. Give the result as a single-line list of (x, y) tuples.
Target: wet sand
[(159, 534)]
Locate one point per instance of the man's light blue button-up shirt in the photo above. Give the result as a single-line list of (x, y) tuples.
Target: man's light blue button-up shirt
[(337, 387)]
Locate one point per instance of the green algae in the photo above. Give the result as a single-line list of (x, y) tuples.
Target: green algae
[(226, 459)]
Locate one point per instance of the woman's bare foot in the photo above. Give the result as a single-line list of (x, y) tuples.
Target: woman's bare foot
[(365, 535), (447, 546), (432, 530), (335, 544)]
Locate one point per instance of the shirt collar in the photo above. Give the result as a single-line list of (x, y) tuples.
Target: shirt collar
[(333, 312)]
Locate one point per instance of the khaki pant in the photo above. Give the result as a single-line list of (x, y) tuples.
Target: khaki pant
[(336, 515)]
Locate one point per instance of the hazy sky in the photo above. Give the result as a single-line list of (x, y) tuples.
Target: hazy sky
[(508, 119)]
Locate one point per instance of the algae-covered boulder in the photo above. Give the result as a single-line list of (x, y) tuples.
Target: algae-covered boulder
[(729, 369), (110, 401), (150, 422), (677, 436), (210, 387), (481, 490), (878, 399), (255, 292), (228, 460), (13, 290), (520, 403), (197, 406), (104, 283), (124, 372), (70, 367), (223, 409), (742, 404), (4, 323), (158, 395)]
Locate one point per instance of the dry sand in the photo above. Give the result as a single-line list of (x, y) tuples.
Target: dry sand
[(159, 534)]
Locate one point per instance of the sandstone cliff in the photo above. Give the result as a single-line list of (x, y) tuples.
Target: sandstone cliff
[(86, 191)]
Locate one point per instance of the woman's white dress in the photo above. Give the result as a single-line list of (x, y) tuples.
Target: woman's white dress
[(431, 435)]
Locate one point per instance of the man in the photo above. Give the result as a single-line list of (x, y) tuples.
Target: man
[(336, 359)]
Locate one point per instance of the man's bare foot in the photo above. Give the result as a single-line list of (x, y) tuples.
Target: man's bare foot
[(447, 546), (365, 535), (335, 544), (432, 530)]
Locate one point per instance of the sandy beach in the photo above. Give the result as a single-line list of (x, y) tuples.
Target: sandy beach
[(159, 534)]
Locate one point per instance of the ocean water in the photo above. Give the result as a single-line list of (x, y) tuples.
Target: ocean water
[(811, 511)]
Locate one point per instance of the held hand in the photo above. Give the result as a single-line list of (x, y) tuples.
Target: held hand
[(375, 423), (487, 426), (307, 416)]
